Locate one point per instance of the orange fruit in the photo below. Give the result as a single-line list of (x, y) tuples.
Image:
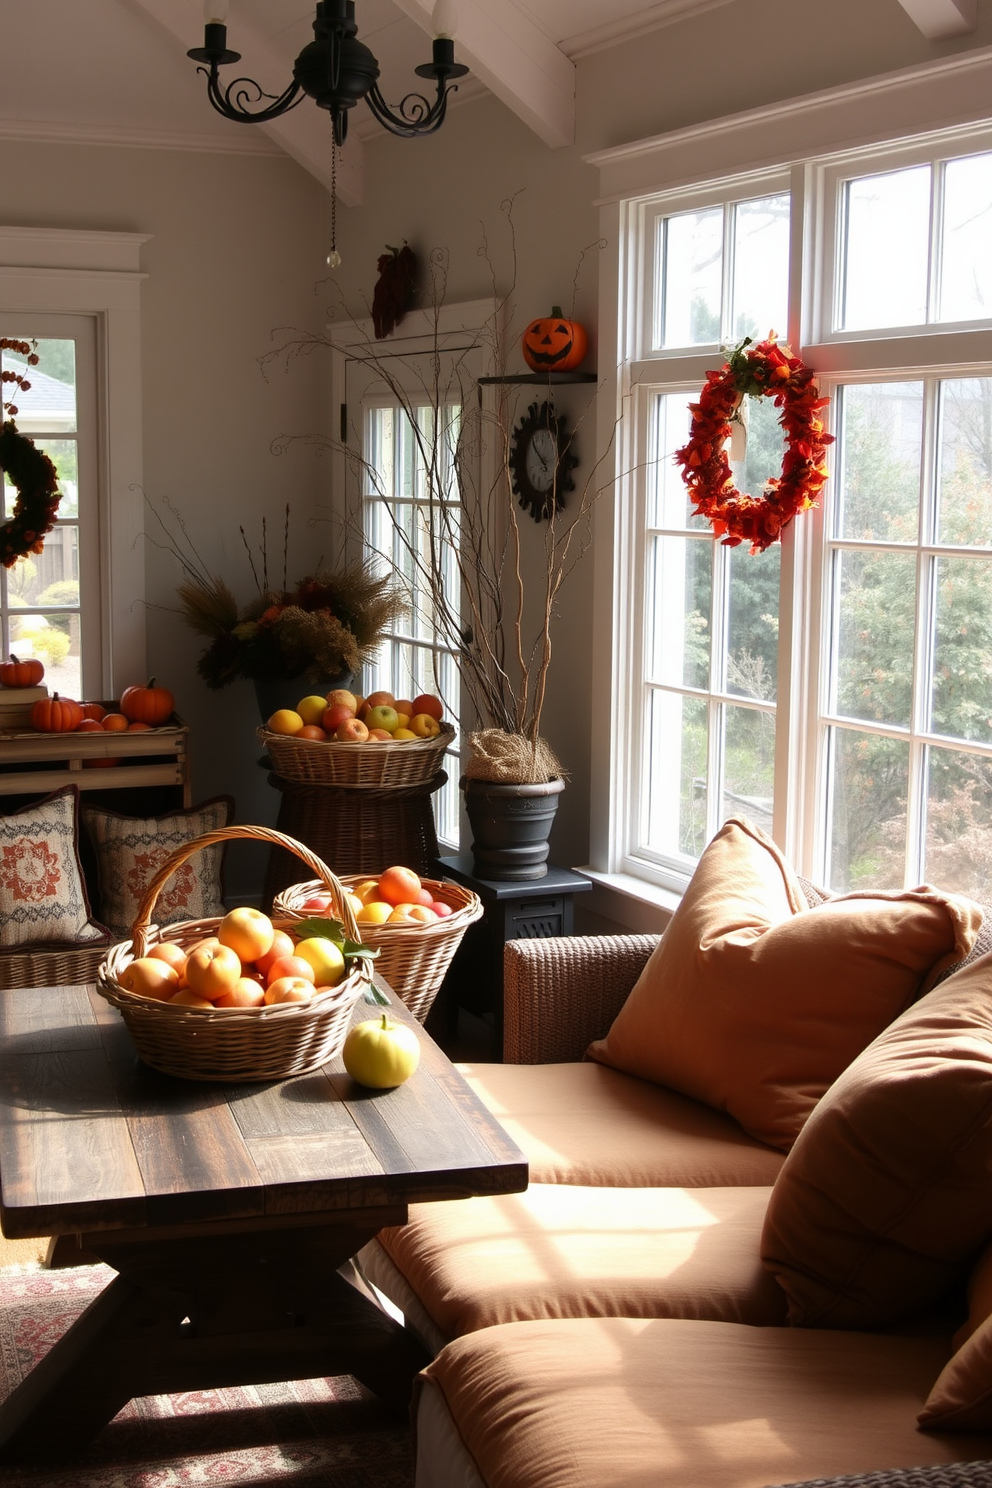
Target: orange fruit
[(399, 885), (173, 955), (285, 721)]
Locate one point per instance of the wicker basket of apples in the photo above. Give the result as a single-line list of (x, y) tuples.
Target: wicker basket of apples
[(343, 739), (244, 996), (415, 924)]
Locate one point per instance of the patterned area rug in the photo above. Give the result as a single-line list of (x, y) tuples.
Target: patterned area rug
[(324, 1433)]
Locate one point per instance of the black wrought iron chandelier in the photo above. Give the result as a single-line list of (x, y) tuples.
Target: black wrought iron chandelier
[(336, 70)]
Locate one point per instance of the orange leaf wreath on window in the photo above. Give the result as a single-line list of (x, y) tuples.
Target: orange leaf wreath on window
[(766, 369)]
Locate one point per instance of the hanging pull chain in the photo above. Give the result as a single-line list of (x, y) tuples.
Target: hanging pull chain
[(334, 257)]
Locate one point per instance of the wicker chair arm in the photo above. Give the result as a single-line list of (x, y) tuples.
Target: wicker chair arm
[(562, 992)]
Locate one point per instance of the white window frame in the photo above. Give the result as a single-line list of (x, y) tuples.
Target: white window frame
[(884, 119), (95, 274)]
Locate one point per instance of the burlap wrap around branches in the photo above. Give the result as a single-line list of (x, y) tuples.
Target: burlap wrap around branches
[(511, 759)]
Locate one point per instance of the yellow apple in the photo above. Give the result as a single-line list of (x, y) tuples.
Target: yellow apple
[(381, 1053), (247, 931), (425, 726), (311, 708), (403, 733), (325, 957)]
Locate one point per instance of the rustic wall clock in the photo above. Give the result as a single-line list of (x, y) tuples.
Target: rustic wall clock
[(541, 461)]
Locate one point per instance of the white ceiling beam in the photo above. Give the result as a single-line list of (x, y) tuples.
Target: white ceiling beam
[(516, 61), (939, 19), (305, 132)]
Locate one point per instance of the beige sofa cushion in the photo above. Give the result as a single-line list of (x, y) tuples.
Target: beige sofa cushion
[(754, 1003), (884, 1200), (669, 1403), (620, 1131), (557, 1251)]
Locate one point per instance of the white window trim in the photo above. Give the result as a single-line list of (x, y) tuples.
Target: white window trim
[(56, 271), (890, 110)]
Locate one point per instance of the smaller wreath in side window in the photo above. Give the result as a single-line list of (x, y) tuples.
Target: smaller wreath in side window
[(31, 473), (541, 461), (766, 369)]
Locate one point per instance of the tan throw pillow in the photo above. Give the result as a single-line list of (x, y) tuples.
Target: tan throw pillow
[(42, 893), (130, 850), (961, 1399), (755, 1003), (884, 1199)]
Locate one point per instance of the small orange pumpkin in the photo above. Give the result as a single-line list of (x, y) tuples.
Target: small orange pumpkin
[(554, 344), (152, 705), (56, 715), (16, 673), (94, 712)]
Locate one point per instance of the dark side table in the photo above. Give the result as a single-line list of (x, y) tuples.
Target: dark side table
[(512, 910)]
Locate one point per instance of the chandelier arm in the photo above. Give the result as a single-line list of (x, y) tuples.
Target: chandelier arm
[(415, 115), (233, 100)]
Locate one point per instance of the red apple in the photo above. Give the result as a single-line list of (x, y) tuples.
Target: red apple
[(351, 731), (290, 966), (282, 945), (335, 715)]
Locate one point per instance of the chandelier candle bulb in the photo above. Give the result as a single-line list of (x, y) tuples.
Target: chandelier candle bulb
[(444, 19)]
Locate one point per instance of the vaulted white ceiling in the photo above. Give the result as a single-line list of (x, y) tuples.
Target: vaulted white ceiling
[(116, 70)]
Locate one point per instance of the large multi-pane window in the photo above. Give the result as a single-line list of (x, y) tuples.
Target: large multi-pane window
[(837, 688)]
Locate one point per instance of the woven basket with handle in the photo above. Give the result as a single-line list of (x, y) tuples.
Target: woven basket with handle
[(331, 762), (232, 1044), (412, 958)]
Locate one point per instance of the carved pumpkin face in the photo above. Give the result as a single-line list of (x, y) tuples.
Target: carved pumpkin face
[(554, 344)]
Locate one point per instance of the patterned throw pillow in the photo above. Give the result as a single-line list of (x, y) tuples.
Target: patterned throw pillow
[(130, 850), (42, 894)]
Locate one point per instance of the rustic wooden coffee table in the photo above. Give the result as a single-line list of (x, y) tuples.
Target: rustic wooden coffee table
[(225, 1211)]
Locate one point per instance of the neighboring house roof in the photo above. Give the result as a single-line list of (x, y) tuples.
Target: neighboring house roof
[(46, 403)]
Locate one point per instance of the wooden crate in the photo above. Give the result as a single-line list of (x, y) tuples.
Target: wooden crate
[(36, 764)]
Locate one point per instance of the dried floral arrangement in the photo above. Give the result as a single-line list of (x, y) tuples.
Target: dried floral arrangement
[(325, 624)]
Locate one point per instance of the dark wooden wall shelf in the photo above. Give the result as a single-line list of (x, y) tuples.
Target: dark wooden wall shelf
[(546, 379)]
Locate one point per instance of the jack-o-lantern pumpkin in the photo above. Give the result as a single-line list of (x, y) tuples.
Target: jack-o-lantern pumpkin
[(554, 344)]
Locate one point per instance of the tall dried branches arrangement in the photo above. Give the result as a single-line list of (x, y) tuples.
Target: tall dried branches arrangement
[(485, 585)]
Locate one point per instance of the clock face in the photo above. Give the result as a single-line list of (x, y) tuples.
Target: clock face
[(541, 460)]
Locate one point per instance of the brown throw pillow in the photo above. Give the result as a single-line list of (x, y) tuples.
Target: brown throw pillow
[(131, 849), (755, 1003), (42, 893), (883, 1202)]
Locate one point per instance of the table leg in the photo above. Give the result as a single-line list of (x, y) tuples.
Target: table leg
[(189, 1312)]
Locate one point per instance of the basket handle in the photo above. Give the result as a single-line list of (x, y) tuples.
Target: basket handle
[(179, 855)]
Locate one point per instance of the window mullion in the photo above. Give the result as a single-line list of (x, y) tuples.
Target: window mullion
[(925, 638)]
